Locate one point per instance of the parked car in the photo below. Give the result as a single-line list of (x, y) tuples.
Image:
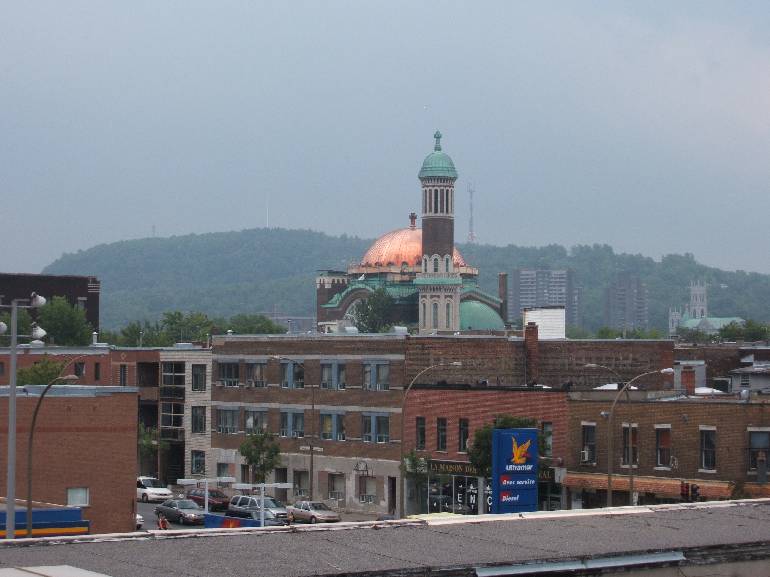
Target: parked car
[(312, 512), (248, 503), (151, 489), (139, 522), (218, 501), (182, 511), (270, 519)]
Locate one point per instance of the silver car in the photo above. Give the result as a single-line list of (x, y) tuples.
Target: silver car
[(312, 512)]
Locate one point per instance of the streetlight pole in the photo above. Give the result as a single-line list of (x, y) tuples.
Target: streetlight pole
[(403, 419), (67, 378), (610, 435), (35, 301)]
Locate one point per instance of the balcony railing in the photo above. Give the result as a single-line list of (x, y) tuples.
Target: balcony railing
[(337, 495)]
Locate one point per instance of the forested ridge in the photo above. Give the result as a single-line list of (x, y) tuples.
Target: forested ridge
[(266, 270)]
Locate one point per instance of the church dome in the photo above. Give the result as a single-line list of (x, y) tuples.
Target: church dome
[(400, 246), (477, 316), (437, 164)]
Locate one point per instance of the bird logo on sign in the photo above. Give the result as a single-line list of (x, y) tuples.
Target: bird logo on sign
[(520, 453)]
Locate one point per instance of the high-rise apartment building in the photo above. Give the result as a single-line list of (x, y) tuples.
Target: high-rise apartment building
[(532, 288), (625, 304)]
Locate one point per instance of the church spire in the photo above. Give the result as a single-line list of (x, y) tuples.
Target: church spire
[(437, 136)]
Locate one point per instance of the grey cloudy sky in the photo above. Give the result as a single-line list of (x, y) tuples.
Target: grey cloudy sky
[(641, 125)]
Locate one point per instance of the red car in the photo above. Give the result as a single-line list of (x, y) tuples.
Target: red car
[(218, 501)]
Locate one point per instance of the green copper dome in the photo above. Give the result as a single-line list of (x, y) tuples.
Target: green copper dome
[(437, 163), (477, 316)]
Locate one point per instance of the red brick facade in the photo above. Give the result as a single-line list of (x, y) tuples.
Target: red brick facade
[(80, 441)]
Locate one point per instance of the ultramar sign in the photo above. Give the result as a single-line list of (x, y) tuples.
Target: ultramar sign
[(514, 470)]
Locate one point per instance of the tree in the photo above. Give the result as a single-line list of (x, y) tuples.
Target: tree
[(607, 333), (754, 331), (65, 324), (41, 373), (186, 327), (23, 325), (262, 454), (373, 314), (148, 443), (253, 325), (480, 452)]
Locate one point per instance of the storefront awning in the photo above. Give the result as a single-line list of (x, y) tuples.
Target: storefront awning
[(661, 486)]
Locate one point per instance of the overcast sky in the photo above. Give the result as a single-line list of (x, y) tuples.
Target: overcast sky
[(646, 127)]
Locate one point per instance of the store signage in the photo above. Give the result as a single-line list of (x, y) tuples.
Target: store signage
[(514, 470), (452, 468)]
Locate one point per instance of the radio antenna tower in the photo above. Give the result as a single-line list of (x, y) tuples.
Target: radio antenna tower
[(471, 234)]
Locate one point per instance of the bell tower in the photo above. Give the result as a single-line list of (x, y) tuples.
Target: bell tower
[(439, 283)]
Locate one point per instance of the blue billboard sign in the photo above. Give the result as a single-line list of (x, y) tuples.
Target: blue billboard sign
[(514, 470)]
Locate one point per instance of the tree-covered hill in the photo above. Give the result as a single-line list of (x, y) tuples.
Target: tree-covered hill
[(261, 270)]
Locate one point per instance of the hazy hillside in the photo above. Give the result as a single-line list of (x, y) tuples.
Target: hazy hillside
[(273, 269)]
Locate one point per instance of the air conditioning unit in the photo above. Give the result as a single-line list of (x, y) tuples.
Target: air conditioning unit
[(326, 385), (341, 386), (585, 456)]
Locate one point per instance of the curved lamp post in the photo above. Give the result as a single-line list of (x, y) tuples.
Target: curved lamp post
[(403, 419), (61, 379), (34, 301), (610, 436)]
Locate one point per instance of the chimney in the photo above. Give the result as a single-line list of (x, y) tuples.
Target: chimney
[(531, 354), (502, 292), (688, 379), (94, 338)]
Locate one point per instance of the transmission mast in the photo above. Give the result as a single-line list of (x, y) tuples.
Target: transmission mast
[(471, 234)]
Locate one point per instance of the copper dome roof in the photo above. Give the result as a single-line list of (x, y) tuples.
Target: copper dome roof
[(400, 246)]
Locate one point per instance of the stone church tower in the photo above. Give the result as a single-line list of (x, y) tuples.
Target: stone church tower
[(439, 281), (698, 307)]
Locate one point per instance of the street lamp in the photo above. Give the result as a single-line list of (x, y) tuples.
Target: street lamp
[(59, 379), (34, 301), (403, 419), (610, 435)]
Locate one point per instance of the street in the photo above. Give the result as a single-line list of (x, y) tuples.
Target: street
[(147, 510)]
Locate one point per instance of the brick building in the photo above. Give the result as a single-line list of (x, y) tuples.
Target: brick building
[(80, 291), (338, 398), (84, 451), (718, 443)]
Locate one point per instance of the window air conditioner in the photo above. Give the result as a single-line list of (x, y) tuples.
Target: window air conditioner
[(585, 456)]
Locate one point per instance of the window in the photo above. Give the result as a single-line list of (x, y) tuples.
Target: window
[(255, 374), (227, 423), (448, 318), (172, 374), (172, 415), (223, 470), (424, 315), (367, 489), (123, 375), (441, 200), (199, 377), (419, 433), (77, 497), (441, 434), (292, 375), (663, 446), (197, 463), (435, 315), (630, 444), (375, 428), (198, 419), (301, 484), (759, 447), (337, 486), (435, 201), (255, 420), (546, 428), (245, 474), (377, 376), (588, 453), (435, 264), (2, 368), (80, 369), (447, 262), (292, 424), (97, 371), (332, 426), (462, 445), (745, 381), (228, 374), (708, 449), (332, 375)]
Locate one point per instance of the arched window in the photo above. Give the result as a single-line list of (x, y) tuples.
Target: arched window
[(449, 314), (441, 200), (435, 315), (446, 263), (435, 264), (424, 202), (449, 200), (424, 315), (424, 264), (435, 200)]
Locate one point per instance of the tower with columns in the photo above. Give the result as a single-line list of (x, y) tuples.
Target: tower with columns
[(439, 281)]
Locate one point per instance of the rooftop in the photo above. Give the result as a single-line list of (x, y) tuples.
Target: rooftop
[(530, 543)]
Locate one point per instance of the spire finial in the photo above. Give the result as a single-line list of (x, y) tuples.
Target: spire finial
[(437, 136)]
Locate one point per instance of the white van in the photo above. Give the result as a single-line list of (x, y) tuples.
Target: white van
[(151, 489)]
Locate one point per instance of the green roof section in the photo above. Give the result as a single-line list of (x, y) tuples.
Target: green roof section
[(437, 280), (477, 316), (437, 164)]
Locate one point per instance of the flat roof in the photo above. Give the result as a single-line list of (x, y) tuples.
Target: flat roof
[(464, 545)]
